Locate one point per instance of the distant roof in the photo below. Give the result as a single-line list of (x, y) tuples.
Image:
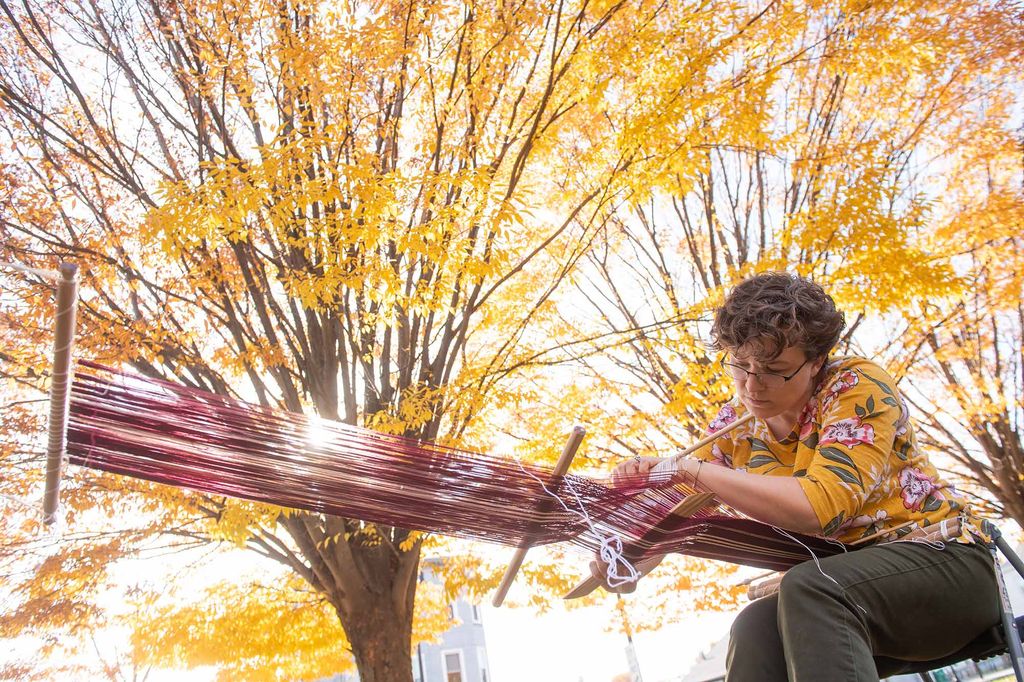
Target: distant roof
[(709, 666)]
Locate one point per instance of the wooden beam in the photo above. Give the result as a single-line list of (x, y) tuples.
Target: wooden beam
[(60, 384)]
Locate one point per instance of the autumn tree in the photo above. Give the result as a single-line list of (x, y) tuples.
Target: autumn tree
[(360, 211), (371, 211), (966, 353)]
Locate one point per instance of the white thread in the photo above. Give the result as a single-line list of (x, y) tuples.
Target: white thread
[(668, 466), (818, 564), (52, 525), (45, 274), (11, 498), (55, 524), (934, 544), (809, 551), (611, 545), (840, 545)]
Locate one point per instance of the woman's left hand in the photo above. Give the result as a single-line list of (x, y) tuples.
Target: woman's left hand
[(599, 569)]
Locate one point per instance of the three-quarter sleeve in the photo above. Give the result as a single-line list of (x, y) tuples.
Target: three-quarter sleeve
[(859, 415)]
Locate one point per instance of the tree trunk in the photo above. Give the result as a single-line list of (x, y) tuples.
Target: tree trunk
[(374, 594), (381, 642)]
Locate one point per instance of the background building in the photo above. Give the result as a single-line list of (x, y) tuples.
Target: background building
[(461, 655)]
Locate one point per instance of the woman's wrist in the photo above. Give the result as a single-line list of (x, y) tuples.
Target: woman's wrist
[(689, 470)]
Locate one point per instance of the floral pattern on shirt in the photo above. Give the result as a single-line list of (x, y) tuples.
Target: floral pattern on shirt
[(854, 450), (919, 491), (849, 432), (720, 458), (727, 415)]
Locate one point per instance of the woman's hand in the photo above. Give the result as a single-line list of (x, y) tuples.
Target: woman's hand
[(635, 469), (640, 468)]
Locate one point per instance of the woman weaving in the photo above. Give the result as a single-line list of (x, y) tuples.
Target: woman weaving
[(831, 452)]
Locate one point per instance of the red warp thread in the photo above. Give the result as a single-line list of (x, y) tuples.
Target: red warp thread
[(168, 433)]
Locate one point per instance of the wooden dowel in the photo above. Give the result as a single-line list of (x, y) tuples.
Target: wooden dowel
[(591, 583), (60, 383), (763, 588), (711, 437), (562, 466), (884, 531)]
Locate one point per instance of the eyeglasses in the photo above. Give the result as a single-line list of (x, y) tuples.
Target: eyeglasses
[(766, 379)]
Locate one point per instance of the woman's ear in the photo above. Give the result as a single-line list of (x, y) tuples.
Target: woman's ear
[(818, 364)]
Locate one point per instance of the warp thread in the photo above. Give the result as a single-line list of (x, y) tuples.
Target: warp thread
[(172, 434)]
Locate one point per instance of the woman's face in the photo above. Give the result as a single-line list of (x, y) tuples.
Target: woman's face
[(766, 396)]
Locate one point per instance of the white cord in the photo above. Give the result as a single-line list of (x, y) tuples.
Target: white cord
[(51, 275), (611, 545), (817, 563), (51, 525)]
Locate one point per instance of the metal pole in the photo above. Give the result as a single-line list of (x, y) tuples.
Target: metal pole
[(1010, 633), (1008, 552), (60, 383), (631, 657), (419, 660)]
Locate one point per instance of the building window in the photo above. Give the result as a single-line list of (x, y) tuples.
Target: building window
[(476, 613), (481, 657), (452, 666), (451, 611)]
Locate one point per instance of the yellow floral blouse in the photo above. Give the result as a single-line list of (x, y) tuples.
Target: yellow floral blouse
[(854, 452)]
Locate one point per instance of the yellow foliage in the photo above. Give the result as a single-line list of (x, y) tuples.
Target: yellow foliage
[(481, 226), (256, 631), (248, 631)]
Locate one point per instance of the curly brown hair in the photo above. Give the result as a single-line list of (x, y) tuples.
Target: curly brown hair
[(771, 311)]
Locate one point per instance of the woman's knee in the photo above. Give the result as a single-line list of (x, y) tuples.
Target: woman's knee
[(755, 620), (803, 579)]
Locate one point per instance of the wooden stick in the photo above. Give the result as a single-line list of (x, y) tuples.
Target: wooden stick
[(710, 438), (562, 466), (764, 588), (60, 383), (884, 531), (591, 583)]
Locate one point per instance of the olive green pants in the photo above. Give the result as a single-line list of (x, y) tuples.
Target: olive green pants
[(902, 600)]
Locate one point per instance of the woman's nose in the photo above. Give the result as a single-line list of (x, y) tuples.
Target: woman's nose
[(751, 382)]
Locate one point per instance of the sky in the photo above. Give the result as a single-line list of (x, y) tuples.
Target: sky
[(575, 646)]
